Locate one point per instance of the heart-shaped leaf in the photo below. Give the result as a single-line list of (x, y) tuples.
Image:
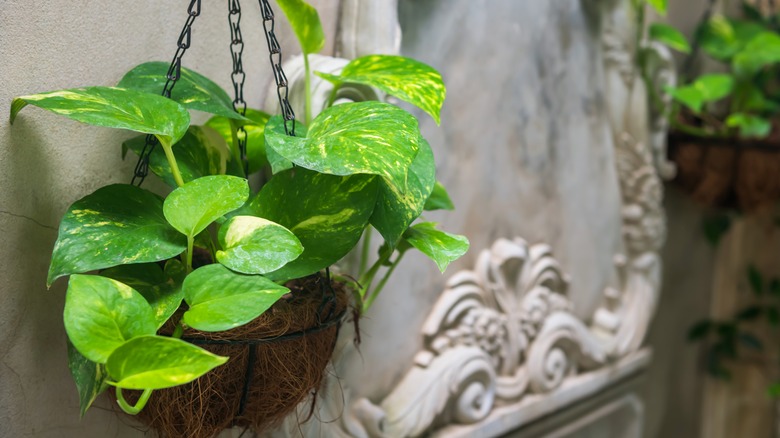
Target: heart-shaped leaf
[(255, 137), (405, 78), (327, 213), (364, 137), (254, 245), (441, 247), (157, 362), (305, 22), (90, 377), (762, 50), (193, 206), (161, 289), (201, 152), (670, 36), (439, 199), (192, 90), (101, 314), (115, 225), (113, 108), (750, 125), (395, 211), (221, 299)]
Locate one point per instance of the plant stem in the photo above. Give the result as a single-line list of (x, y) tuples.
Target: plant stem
[(367, 278), (172, 162), (190, 245), (132, 410), (234, 149), (365, 251), (367, 302), (332, 97), (178, 331), (307, 83)]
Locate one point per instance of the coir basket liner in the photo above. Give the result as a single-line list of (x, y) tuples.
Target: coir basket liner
[(276, 361), (729, 173)]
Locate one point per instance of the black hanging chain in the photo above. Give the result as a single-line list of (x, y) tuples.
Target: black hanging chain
[(173, 75), (275, 55), (237, 76)]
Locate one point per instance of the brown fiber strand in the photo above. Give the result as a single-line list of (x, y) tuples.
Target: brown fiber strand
[(285, 372)]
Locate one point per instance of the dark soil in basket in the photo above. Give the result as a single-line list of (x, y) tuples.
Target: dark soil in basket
[(282, 373)]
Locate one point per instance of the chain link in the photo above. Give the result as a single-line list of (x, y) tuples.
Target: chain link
[(173, 75), (236, 50), (275, 55)]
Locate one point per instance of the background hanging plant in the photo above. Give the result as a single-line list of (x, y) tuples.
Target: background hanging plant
[(129, 253)]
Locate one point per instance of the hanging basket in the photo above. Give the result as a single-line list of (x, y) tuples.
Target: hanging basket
[(276, 362), (727, 173)]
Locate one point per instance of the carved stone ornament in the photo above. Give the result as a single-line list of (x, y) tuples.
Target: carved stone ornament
[(502, 338)]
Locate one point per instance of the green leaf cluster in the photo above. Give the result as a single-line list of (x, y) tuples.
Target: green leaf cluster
[(129, 253)]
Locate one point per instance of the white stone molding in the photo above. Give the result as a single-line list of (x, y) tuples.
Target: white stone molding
[(368, 28)]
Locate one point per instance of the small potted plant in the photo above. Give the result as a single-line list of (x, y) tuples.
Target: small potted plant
[(725, 137), (214, 306)]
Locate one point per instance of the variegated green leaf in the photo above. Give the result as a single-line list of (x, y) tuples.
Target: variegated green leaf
[(221, 299), (101, 314), (161, 289), (327, 213), (395, 211), (90, 377), (253, 245), (201, 152), (364, 137), (195, 205), (405, 78), (157, 362), (443, 248), (255, 137), (305, 22), (192, 89), (113, 108), (118, 224)]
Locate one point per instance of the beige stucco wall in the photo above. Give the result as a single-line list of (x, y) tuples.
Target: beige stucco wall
[(47, 162)]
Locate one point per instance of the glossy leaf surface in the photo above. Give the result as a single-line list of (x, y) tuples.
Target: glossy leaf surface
[(395, 211), (161, 289), (101, 314), (353, 138), (157, 362), (255, 136), (192, 90), (439, 199), (327, 213), (192, 207), (221, 299), (407, 79), (253, 245), (201, 152), (113, 108), (439, 246), (117, 224)]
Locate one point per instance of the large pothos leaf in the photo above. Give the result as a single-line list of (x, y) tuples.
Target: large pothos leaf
[(117, 224), (253, 245), (161, 288), (195, 205), (113, 108), (305, 22), (327, 213), (157, 362), (192, 89), (405, 78), (441, 247), (353, 138), (201, 152), (255, 137), (101, 314), (395, 211), (762, 50), (90, 377), (221, 299)]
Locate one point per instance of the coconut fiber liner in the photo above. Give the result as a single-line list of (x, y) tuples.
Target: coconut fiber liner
[(276, 362)]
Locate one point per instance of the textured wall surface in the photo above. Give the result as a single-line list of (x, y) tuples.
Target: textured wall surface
[(47, 162)]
